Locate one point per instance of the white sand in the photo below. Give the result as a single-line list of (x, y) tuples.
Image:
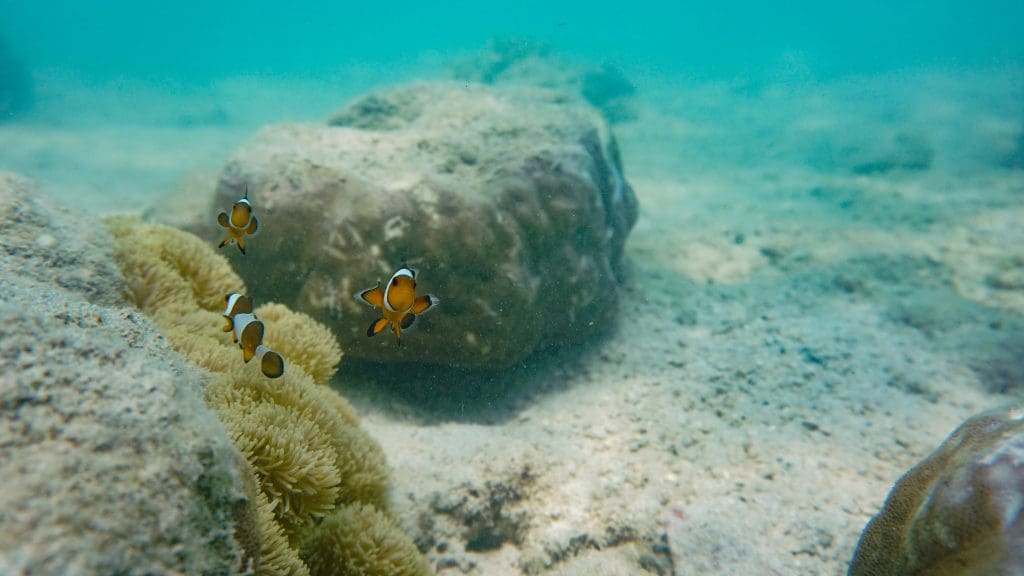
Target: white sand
[(789, 343)]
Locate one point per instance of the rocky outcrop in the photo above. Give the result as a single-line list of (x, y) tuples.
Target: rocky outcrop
[(111, 464), (958, 512), (511, 204)]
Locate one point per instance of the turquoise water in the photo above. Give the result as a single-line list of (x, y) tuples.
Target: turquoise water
[(199, 41)]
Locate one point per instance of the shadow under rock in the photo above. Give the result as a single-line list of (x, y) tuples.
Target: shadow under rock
[(435, 394)]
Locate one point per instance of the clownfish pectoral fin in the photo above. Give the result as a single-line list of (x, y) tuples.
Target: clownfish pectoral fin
[(254, 225), (228, 325), (407, 321), (376, 327), (222, 219), (424, 303), (374, 296)]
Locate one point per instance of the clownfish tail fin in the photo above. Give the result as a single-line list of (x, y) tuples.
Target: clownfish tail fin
[(271, 363)]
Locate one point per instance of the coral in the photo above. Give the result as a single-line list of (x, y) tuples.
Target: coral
[(295, 336), (958, 511), (301, 440), (277, 557), (359, 539), (293, 460), (170, 272)]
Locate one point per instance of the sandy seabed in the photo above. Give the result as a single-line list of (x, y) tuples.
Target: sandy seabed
[(825, 279)]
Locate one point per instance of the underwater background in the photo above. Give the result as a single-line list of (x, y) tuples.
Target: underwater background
[(710, 279)]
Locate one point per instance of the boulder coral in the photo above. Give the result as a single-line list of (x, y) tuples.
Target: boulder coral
[(300, 439), (959, 511), (511, 203)]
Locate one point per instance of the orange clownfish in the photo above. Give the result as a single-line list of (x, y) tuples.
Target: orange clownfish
[(242, 221), (247, 331), (397, 302)]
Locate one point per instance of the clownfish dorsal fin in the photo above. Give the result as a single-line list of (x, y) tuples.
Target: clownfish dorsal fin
[(405, 266)]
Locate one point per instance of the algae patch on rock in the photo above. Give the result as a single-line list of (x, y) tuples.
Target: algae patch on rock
[(512, 204)]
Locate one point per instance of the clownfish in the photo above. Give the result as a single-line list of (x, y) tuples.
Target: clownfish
[(398, 303), (247, 331), (242, 221)]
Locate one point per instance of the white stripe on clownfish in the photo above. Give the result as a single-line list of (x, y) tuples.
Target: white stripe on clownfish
[(240, 321), (236, 303)]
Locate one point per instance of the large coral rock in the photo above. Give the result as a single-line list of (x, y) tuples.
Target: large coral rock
[(959, 511), (512, 206), (110, 462)]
